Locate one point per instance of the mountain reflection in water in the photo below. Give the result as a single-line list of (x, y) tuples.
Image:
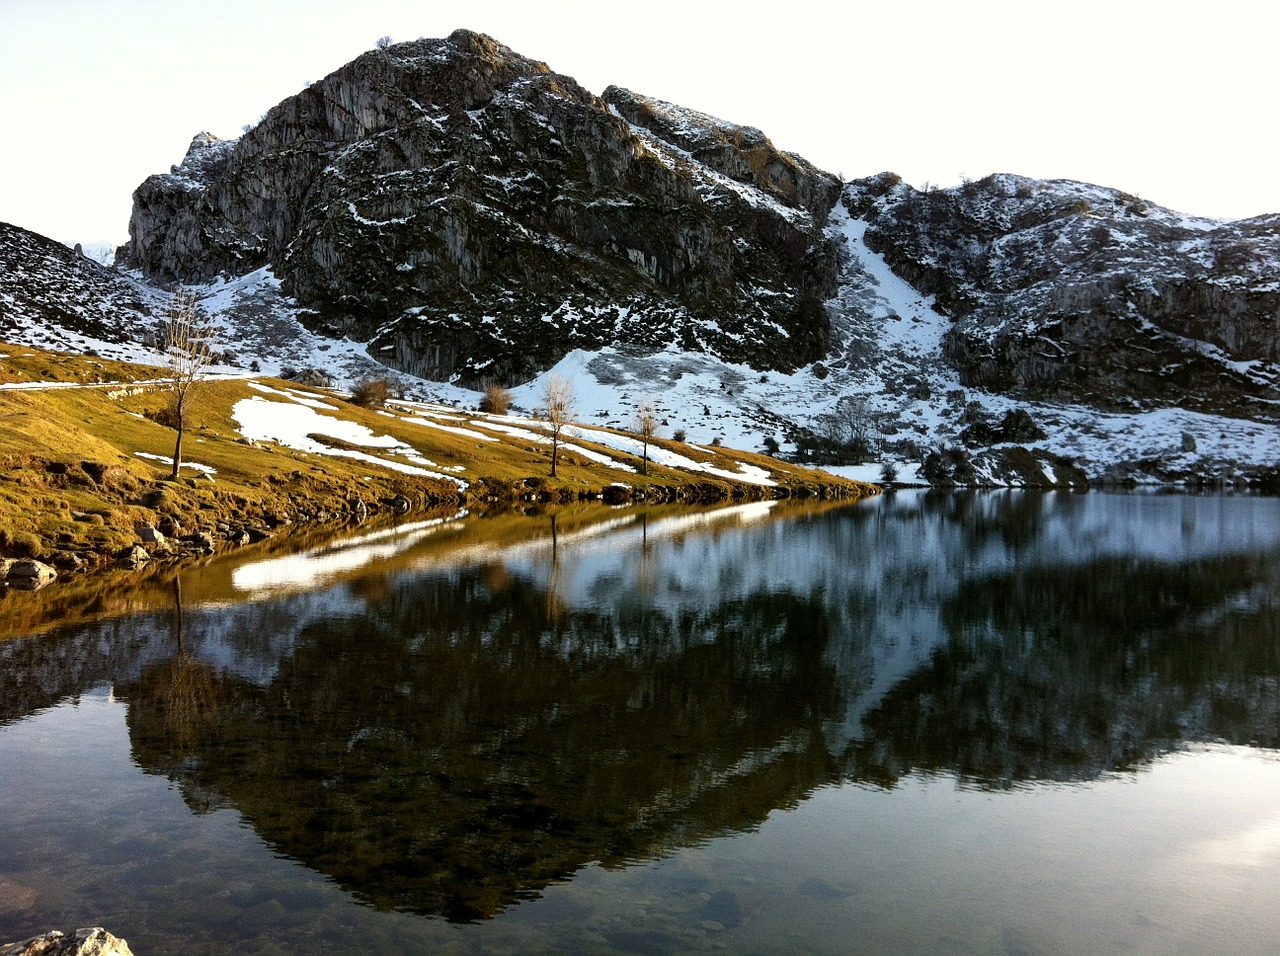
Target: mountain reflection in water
[(450, 734)]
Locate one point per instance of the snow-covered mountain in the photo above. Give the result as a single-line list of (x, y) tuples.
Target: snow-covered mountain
[(452, 213)]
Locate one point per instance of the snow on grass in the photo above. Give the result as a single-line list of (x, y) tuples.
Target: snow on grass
[(751, 474), (291, 425), (293, 395), (425, 420), (542, 438), (168, 460)]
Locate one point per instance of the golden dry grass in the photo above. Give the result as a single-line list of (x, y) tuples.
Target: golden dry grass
[(71, 478)]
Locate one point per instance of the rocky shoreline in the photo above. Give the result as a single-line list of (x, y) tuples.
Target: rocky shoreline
[(165, 540)]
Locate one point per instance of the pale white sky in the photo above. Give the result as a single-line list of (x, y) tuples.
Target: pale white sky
[(1175, 101)]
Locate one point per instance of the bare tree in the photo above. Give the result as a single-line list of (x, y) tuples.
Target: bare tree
[(558, 403), (646, 426), (187, 341)]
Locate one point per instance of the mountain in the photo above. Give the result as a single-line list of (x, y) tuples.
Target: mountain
[(1069, 292), (453, 213), (62, 299), (469, 213)]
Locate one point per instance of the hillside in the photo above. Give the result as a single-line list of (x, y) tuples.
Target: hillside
[(450, 213), (84, 465)]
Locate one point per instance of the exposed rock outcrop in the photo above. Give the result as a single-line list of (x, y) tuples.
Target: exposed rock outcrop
[(470, 213), (53, 297), (1070, 292)]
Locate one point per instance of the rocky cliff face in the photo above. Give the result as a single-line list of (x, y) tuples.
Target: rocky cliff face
[(472, 214), (1063, 291)]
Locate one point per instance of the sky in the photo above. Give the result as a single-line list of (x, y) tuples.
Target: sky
[(1174, 101)]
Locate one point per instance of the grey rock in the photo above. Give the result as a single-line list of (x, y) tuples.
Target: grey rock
[(201, 541), (132, 557), (399, 504), (29, 574), (148, 534), (1064, 291), (66, 560)]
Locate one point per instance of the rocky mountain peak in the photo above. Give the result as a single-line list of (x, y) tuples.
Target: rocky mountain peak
[(1063, 290), (470, 213), (743, 153)]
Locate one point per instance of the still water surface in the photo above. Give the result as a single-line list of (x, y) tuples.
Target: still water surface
[(1008, 723)]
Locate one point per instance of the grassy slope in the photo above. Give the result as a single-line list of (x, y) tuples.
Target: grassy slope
[(70, 478)]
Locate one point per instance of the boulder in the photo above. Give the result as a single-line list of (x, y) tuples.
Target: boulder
[(148, 534), (67, 560), (399, 504), (132, 557), (201, 541), (29, 574), (90, 941)]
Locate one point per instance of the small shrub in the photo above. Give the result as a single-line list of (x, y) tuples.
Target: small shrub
[(716, 441), (496, 400), (770, 445), (371, 393), (679, 435), (888, 473)]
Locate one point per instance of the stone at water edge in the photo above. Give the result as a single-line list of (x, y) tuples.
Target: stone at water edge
[(30, 574), (132, 557), (149, 534), (90, 941)]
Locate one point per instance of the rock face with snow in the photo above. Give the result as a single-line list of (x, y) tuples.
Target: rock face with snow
[(1063, 291), (470, 213), (460, 213), (53, 296)]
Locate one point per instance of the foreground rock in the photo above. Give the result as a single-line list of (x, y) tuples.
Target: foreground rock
[(91, 941), (29, 575)]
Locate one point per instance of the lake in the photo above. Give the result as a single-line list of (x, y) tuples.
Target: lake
[(1005, 722)]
